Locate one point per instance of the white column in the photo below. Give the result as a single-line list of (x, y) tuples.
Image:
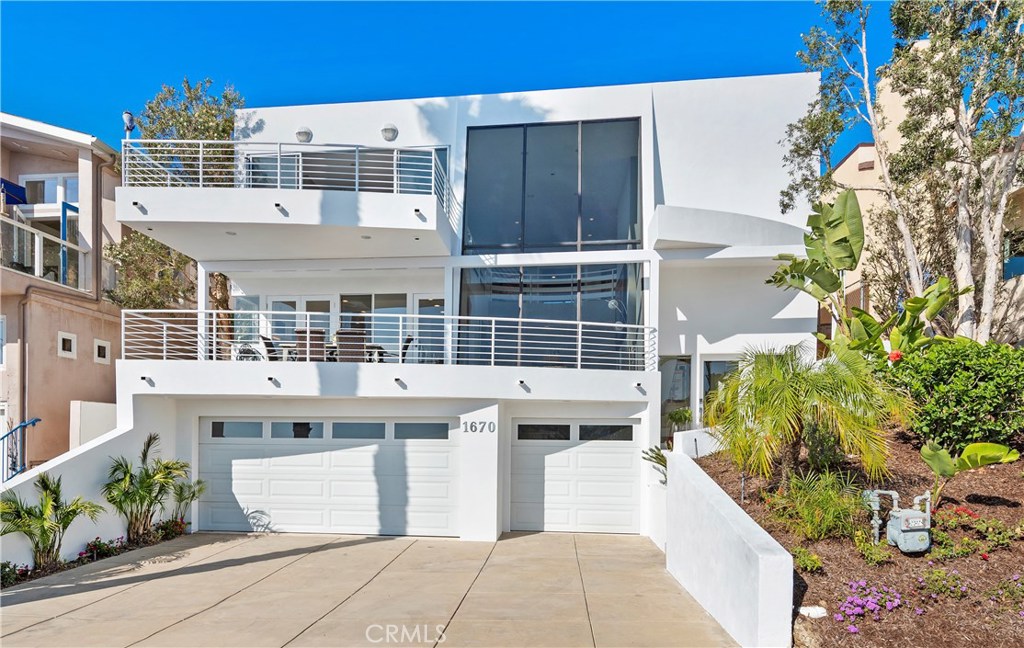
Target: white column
[(479, 474)]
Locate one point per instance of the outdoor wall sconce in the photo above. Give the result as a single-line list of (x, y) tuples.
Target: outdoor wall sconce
[(270, 378), (304, 135), (389, 132), (522, 382), (146, 378), (277, 205), (398, 381), (639, 385), (135, 203)]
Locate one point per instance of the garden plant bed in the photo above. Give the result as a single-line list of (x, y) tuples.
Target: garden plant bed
[(94, 551), (962, 617)]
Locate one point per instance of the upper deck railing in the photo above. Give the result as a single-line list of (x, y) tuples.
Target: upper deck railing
[(34, 252), (377, 337), (281, 165)]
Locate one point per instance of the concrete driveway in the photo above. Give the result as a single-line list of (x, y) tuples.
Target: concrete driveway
[(318, 590)]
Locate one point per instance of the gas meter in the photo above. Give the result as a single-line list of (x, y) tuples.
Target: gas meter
[(908, 529)]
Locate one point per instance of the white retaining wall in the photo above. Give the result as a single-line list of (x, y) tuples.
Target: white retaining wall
[(84, 471), (729, 564)]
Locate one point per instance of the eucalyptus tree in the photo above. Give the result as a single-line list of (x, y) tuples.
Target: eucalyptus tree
[(945, 179)]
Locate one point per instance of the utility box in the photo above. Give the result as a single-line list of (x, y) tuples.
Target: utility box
[(908, 529)]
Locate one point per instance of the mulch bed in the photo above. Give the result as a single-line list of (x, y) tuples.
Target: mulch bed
[(975, 620)]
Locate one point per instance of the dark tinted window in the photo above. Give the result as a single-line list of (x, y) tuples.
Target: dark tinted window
[(494, 187), (542, 432), (357, 430), (236, 429), (606, 433), (421, 431), (609, 170), (296, 430)]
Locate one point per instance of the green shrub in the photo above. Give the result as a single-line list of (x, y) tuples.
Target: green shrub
[(967, 392), (873, 554), (806, 561), (817, 505), (8, 573), (942, 583)]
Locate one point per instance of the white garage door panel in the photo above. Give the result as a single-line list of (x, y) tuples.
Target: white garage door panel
[(303, 485), (590, 486)]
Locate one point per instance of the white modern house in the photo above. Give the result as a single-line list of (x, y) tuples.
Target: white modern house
[(455, 316)]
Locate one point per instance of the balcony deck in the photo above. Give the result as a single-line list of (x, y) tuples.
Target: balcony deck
[(273, 336), (371, 199)]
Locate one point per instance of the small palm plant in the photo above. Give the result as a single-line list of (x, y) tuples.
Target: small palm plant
[(138, 494), (45, 523), (762, 412), (186, 492)]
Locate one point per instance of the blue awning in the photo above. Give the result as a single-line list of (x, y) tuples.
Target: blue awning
[(14, 194)]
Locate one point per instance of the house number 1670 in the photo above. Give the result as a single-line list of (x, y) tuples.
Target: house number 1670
[(479, 426)]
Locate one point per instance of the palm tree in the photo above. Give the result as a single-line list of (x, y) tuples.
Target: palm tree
[(763, 411), (46, 523), (138, 494)]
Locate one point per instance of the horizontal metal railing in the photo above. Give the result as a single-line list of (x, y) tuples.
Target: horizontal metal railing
[(243, 163), (31, 251), (377, 337)]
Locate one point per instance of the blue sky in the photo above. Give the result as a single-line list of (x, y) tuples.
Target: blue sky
[(299, 53)]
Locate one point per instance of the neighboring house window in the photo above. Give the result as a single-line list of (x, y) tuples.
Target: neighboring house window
[(553, 187), (675, 388), (50, 188), (5, 425), (101, 352), (1013, 263), (67, 345)]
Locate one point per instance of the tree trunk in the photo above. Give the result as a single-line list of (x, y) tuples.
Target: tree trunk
[(220, 300), (962, 244)]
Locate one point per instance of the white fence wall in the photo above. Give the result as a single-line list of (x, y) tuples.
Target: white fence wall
[(84, 471), (729, 564)]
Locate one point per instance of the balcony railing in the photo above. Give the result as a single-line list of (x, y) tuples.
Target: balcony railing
[(278, 165), (31, 251), (276, 336)]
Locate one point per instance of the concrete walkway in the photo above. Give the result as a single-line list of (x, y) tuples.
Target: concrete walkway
[(317, 590)]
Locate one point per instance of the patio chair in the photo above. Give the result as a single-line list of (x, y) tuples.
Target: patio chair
[(273, 352), (349, 346)]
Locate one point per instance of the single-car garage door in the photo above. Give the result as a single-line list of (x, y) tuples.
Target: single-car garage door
[(575, 477), (329, 476)]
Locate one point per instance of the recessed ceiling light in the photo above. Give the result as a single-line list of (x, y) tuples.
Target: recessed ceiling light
[(366, 237), (149, 229), (231, 233), (416, 238)]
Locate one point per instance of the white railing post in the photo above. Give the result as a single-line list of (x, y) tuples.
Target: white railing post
[(433, 175), (200, 163), (37, 244), (401, 339), (164, 344), (579, 345), (124, 340), (213, 336), (356, 179), (279, 165), (394, 170), (494, 338)]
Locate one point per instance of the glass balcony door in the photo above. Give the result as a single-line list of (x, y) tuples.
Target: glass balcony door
[(286, 319)]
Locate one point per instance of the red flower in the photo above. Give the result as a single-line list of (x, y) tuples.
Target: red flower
[(895, 355), (984, 556)]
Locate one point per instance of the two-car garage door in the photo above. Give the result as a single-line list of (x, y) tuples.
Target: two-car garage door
[(330, 476)]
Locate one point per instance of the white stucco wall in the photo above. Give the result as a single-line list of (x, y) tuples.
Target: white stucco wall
[(729, 564), (84, 471)]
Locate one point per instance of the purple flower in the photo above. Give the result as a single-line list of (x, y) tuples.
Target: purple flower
[(858, 610), (852, 629), (837, 616), (1015, 577), (918, 611)]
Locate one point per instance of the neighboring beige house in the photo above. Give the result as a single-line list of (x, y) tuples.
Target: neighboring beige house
[(58, 336), (859, 169)]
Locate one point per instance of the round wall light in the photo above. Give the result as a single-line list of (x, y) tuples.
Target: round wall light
[(389, 132), (304, 135)]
